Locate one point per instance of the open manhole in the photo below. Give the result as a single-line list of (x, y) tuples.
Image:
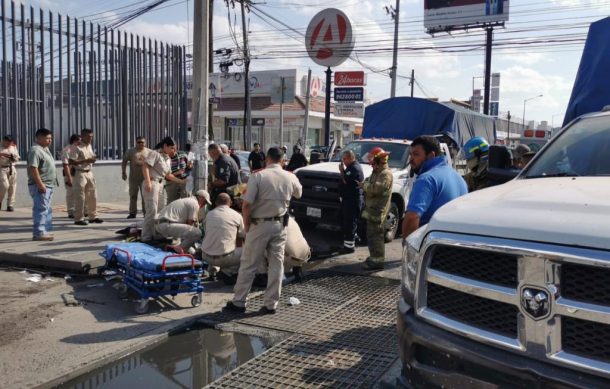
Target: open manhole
[(188, 359)]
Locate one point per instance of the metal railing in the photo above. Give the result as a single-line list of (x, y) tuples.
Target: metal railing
[(67, 74)]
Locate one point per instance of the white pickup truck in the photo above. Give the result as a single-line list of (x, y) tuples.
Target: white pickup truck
[(510, 286), (320, 200)]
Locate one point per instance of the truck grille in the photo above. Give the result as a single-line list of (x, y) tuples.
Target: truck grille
[(586, 338), (319, 186), (477, 311), (494, 268), (586, 283), (479, 287)]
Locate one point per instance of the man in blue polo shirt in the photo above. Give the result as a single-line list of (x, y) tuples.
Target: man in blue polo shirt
[(436, 184)]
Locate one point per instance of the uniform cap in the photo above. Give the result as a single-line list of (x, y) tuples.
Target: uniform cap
[(520, 151), (204, 193)]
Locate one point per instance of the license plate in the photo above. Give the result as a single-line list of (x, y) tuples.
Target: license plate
[(314, 212)]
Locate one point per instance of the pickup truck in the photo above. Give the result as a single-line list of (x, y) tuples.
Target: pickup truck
[(510, 286), (320, 200)]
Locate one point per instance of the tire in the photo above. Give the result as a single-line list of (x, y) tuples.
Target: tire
[(123, 291), (305, 223), (141, 307), (196, 300), (391, 224)]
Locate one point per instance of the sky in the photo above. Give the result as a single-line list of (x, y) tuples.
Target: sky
[(536, 53)]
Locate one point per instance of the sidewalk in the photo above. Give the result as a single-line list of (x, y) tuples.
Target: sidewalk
[(75, 248)]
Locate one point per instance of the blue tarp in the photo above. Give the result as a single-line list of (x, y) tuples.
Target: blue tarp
[(591, 90), (410, 117)]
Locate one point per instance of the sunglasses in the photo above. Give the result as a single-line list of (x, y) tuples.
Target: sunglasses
[(140, 142)]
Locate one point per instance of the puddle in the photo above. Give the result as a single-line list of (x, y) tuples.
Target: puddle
[(191, 359)]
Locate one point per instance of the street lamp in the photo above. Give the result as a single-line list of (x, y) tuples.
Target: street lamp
[(525, 101)]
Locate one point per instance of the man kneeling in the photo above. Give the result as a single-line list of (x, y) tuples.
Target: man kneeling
[(177, 220), (222, 226)]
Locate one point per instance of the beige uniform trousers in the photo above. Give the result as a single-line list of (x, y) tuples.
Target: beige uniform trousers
[(228, 263), (188, 235), (69, 198), (8, 181), (136, 187), (151, 202), (264, 236), (85, 195)]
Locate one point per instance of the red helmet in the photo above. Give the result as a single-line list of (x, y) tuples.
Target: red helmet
[(377, 153)]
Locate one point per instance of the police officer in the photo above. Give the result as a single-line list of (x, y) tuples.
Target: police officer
[(377, 195), (156, 169), (69, 172), (134, 157), (8, 174), (84, 187), (265, 213), (226, 171), (476, 153), (352, 200), (298, 159)]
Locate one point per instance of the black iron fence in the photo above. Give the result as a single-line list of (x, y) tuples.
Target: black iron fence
[(67, 74)]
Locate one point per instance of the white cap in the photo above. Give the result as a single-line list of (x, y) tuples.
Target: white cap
[(204, 193)]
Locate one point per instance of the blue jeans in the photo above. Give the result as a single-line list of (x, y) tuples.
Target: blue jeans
[(42, 212)]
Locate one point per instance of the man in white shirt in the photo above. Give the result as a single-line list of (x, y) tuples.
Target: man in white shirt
[(177, 220), (222, 226)]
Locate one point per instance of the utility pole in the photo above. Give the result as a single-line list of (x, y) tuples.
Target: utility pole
[(412, 83), (394, 12), (282, 80), (489, 36), (210, 66), (200, 99), (508, 129), (247, 127)]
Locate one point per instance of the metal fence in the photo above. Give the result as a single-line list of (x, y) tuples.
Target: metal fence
[(67, 74)]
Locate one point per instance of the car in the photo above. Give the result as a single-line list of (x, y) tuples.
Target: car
[(508, 286), (244, 171)]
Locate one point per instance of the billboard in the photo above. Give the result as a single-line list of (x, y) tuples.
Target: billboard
[(443, 15)]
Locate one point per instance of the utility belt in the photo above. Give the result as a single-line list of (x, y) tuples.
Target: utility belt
[(165, 221), (83, 171), (157, 180), (218, 256), (283, 218)]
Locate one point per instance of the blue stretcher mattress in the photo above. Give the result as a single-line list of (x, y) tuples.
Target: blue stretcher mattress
[(145, 257)]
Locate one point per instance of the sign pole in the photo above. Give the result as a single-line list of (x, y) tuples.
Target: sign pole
[(306, 120), (329, 73), (281, 111), (487, 70)]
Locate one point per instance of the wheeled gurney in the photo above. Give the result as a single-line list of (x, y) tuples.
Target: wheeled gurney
[(151, 272)]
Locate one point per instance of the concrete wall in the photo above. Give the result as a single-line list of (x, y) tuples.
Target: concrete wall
[(110, 187)]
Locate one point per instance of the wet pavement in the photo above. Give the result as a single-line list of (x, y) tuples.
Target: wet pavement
[(191, 358)]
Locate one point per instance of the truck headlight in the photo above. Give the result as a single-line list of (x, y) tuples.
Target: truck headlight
[(410, 264)]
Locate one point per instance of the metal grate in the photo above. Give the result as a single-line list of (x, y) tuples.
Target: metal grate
[(494, 268), (306, 362), (475, 311), (586, 338), (585, 283)]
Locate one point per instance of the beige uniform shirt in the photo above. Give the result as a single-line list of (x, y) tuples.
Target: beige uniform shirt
[(66, 152), (270, 190), (81, 153), (135, 157), (158, 163), (222, 227), (7, 162), (180, 211)]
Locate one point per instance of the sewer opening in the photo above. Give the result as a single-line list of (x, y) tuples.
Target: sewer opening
[(191, 358)]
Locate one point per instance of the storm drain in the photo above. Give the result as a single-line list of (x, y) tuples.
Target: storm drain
[(344, 334)]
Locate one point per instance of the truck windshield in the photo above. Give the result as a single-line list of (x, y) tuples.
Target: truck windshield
[(583, 149), (399, 152)]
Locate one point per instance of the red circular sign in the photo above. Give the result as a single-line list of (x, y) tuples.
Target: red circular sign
[(329, 39)]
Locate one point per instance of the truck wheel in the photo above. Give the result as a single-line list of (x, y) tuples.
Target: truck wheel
[(305, 223), (391, 224)]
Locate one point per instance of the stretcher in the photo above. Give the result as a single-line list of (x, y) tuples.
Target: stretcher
[(151, 272)]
